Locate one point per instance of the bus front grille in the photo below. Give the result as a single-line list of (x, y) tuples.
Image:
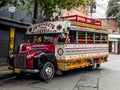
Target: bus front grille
[(20, 60)]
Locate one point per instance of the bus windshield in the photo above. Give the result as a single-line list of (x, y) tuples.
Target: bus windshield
[(43, 38)]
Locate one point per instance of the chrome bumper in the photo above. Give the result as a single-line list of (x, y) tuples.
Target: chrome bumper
[(26, 70)]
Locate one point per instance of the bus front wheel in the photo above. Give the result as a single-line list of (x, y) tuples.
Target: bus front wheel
[(47, 72)]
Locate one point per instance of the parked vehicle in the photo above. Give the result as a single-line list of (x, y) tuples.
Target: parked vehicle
[(73, 42)]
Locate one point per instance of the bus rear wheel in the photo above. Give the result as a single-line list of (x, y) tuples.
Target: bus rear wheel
[(93, 67), (47, 72)]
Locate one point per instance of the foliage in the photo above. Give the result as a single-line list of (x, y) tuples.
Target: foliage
[(2, 3), (48, 7), (113, 10)]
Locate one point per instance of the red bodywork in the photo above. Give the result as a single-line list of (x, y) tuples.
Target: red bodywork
[(33, 49), (47, 48)]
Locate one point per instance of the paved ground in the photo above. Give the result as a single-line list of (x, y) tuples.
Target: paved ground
[(110, 74), (4, 71), (105, 78)]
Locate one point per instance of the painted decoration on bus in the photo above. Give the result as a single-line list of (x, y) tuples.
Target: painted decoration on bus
[(48, 27), (72, 52)]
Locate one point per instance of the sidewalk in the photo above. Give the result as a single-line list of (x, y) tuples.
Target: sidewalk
[(5, 72)]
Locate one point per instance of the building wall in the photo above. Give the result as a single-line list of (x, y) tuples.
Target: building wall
[(10, 39), (18, 15), (114, 43), (110, 25), (82, 11), (4, 43)]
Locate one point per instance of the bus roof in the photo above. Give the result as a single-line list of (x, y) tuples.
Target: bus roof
[(88, 30), (75, 22)]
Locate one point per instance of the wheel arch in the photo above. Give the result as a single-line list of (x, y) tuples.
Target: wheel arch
[(41, 58)]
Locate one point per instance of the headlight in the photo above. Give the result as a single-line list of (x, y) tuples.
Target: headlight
[(28, 57), (11, 56)]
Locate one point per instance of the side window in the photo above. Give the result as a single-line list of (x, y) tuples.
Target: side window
[(39, 39), (72, 37), (97, 38), (90, 38), (62, 38), (104, 38), (81, 37)]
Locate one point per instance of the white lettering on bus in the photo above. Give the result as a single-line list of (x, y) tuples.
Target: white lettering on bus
[(46, 24)]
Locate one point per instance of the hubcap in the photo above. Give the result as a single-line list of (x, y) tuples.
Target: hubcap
[(49, 71)]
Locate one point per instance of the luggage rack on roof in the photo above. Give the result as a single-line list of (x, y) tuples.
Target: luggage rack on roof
[(84, 22)]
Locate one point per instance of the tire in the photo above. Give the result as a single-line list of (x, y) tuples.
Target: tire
[(98, 65), (47, 72), (93, 67)]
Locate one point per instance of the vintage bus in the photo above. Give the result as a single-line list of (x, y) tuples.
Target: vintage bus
[(55, 46)]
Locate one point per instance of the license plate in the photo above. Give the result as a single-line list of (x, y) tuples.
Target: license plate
[(16, 70)]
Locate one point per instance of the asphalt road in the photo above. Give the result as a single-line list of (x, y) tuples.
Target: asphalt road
[(107, 77)]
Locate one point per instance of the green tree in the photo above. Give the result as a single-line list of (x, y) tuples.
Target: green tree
[(48, 7), (2, 3), (113, 10)]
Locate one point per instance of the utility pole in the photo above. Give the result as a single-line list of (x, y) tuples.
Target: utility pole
[(92, 8), (35, 11)]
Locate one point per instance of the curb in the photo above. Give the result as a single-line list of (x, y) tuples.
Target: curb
[(5, 76), (5, 72)]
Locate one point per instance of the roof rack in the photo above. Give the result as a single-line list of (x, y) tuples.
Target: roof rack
[(84, 22)]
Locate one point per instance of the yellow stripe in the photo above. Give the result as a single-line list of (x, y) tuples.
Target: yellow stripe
[(12, 36), (64, 66)]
